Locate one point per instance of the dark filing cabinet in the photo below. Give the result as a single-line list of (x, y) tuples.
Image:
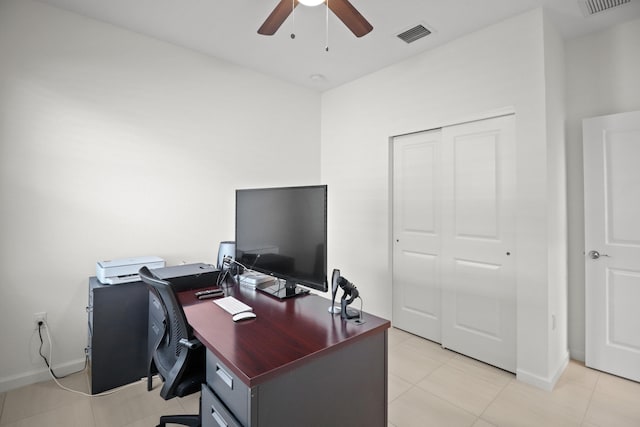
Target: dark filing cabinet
[(117, 338)]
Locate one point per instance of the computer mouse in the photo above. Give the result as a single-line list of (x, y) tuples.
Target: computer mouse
[(243, 316)]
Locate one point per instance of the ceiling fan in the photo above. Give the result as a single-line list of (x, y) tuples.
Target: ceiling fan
[(344, 10)]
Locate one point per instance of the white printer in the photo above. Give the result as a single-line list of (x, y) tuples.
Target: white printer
[(125, 270)]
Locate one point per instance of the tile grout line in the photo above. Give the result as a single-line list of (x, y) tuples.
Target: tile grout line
[(593, 391), (453, 403), (496, 398), (446, 401)]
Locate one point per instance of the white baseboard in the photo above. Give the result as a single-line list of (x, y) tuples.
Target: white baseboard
[(33, 377), (545, 383)]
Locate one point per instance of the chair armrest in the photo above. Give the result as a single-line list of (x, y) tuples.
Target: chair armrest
[(190, 344)]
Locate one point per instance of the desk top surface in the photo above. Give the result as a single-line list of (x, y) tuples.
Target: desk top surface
[(284, 335)]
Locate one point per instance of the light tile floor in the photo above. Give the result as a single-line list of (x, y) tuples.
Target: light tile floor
[(428, 386)]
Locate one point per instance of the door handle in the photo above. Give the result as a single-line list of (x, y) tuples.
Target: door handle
[(596, 255)]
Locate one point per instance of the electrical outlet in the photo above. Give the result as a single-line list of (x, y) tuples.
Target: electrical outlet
[(39, 317)]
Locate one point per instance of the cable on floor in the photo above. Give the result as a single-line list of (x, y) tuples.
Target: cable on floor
[(55, 378)]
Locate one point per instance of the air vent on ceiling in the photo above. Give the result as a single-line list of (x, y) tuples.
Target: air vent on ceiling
[(591, 7), (413, 34)]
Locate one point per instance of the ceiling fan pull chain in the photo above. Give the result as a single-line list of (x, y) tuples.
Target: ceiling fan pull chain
[(326, 48), (293, 18)]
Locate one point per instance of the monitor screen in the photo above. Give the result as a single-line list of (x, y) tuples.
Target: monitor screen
[(283, 232)]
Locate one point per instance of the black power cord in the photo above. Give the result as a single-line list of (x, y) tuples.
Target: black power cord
[(40, 325)]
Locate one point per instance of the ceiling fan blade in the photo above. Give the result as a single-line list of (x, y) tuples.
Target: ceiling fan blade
[(277, 17), (350, 16)]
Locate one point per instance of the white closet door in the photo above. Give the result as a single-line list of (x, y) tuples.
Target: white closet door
[(478, 231), (416, 234), (612, 243)]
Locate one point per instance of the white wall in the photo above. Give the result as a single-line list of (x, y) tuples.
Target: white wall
[(500, 67), (114, 145), (603, 72), (557, 193)]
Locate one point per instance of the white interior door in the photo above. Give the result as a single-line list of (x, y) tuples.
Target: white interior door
[(612, 243), (478, 232), (416, 235)]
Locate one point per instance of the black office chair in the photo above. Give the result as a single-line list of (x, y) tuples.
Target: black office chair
[(178, 356)]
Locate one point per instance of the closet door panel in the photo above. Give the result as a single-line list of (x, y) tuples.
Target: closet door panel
[(478, 226), (416, 234)]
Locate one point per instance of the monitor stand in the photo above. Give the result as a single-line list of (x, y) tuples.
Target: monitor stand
[(282, 289)]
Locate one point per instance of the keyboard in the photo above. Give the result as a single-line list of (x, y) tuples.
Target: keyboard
[(232, 305)]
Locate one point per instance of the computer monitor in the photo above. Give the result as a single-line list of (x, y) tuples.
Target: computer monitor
[(283, 232)]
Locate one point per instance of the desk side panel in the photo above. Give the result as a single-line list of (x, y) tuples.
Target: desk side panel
[(343, 388)]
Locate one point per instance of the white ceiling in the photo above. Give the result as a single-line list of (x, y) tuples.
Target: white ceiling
[(227, 29)]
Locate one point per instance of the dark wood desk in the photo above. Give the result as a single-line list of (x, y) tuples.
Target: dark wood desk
[(295, 364)]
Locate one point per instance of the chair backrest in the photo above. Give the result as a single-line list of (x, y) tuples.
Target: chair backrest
[(170, 356)]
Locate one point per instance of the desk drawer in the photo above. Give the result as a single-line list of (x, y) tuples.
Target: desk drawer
[(214, 413), (228, 387)]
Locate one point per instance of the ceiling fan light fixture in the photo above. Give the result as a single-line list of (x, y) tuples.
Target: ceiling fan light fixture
[(311, 2), (343, 9)]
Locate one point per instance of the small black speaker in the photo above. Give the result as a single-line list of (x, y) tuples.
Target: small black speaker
[(226, 250)]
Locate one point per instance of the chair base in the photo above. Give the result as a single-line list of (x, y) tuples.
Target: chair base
[(184, 420)]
